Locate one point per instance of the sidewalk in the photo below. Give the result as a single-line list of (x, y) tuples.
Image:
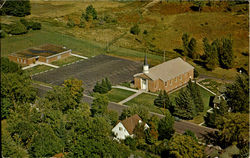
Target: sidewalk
[(130, 97), (79, 56), (125, 88), (39, 63)]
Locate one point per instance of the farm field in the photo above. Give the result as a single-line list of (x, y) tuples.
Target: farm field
[(117, 95)]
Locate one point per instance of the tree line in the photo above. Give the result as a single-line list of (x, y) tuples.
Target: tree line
[(218, 53)]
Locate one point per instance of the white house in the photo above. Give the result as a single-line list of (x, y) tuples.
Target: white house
[(126, 127)]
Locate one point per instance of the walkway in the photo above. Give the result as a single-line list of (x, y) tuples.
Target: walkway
[(125, 88), (130, 97), (79, 56), (39, 63)]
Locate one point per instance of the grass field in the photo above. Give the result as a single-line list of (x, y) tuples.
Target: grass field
[(37, 69), (117, 95), (65, 61), (145, 100)]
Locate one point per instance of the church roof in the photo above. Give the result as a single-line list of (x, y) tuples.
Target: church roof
[(168, 70)]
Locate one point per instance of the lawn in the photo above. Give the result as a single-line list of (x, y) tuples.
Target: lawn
[(117, 95), (145, 100), (65, 61), (37, 69)]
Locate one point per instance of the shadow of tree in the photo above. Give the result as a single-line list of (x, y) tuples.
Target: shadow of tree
[(180, 51)]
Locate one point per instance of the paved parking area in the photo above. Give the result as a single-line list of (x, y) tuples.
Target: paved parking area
[(94, 69)]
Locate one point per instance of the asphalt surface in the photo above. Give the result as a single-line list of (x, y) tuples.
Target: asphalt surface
[(90, 71), (179, 126)]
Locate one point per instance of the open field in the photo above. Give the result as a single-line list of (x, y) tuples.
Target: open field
[(117, 95), (165, 23)]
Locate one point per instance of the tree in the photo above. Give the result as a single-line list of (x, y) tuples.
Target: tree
[(134, 109), (163, 101), (235, 128), (199, 4), (237, 94), (212, 58), (185, 43), (196, 96), (165, 126), (70, 23), (191, 134), (8, 66), (45, 143), (184, 107), (99, 105), (18, 28), (139, 131), (151, 133), (18, 8), (90, 11), (184, 146), (192, 53), (75, 88), (206, 48), (103, 87), (226, 54), (135, 29), (16, 89), (131, 142)]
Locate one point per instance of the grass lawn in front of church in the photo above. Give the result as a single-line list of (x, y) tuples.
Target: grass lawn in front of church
[(117, 95)]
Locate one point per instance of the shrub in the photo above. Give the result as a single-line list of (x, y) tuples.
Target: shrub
[(70, 23), (82, 23), (145, 32), (18, 28), (135, 30), (196, 73), (36, 26), (103, 87), (2, 34)]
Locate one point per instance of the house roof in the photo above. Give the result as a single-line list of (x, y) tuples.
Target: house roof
[(45, 50), (130, 123), (169, 70)]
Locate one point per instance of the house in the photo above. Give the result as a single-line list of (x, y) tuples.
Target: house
[(166, 76), (45, 53), (126, 127)]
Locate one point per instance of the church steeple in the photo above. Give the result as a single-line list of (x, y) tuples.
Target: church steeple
[(145, 66)]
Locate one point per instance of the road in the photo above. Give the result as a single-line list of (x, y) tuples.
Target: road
[(179, 126)]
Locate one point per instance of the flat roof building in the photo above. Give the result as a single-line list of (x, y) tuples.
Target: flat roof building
[(45, 53)]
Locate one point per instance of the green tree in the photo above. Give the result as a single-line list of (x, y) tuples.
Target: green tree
[(151, 133), (16, 8), (191, 134), (237, 94), (16, 89), (8, 66), (184, 146), (45, 143), (135, 29), (103, 87), (212, 58), (18, 28), (196, 96), (131, 142), (206, 48), (166, 126), (163, 101), (185, 43), (90, 11), (70, 23), (139, 131), (192, 52), (184, 107), (226, 55), (75, 88), (134, 109), (99, 105), (199, 4)]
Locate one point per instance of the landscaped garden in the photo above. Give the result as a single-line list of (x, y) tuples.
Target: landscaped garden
[(117, 95)]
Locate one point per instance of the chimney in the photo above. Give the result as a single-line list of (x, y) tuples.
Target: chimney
[(145, 66)]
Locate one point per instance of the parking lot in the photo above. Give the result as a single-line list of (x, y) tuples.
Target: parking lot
[(90, 71)]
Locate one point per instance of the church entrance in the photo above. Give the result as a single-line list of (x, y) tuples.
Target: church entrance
[(144, 84)]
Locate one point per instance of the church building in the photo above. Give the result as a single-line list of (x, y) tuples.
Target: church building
[(166, 76)]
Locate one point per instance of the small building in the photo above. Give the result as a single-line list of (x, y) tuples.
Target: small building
[(166, 76), (126, 127), (45, 53)]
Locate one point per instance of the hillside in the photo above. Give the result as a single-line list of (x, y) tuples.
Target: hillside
[(163, 24)]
